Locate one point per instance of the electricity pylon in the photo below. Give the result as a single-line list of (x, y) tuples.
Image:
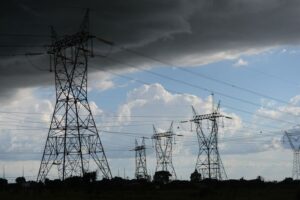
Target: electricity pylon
[(209, 162), (163, 146), (293, 139), (73, 138), (140, 160)]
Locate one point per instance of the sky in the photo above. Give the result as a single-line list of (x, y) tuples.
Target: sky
[(167, 56)]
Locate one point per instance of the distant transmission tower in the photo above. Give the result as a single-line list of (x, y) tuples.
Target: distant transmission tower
[(140, 160), (163, 146), (73, 138), (209, 162), (293, 139)]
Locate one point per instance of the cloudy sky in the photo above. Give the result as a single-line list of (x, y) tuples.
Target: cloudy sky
[(167, 55)]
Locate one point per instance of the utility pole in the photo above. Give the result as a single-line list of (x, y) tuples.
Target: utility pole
[(163, 146), (73, 139), (140, 160), (293, 139), (209, 162)]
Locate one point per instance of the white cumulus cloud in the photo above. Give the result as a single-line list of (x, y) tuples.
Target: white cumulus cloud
[(240, 62)]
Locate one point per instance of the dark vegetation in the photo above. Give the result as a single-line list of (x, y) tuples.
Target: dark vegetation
[(117, 188)]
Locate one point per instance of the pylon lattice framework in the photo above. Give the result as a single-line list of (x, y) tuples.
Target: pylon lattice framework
[(164, 146), (73, 138), (140, 160), (293, 139), (209, 162)]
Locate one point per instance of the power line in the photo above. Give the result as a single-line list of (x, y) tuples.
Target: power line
[(189, 84), (259, 115), (238, 138), (23, 54), (160, 61), (126, 133), (197, 74), (24, 35), (244, 111), (231, 85), (203, 75), (22, 46), (198, 87), (272, 76), (140, 123), (184, 83)]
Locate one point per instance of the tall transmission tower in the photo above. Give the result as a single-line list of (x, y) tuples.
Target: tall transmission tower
[(73, 138), (140, 160), (209, 162), (293, 139), (163, 146)]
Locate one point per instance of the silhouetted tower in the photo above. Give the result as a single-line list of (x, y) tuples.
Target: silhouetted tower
[(140, 160), (163, 146), (209, 162), (73, 138), (293, 139)]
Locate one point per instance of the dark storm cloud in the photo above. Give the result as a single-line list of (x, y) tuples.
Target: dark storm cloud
[(170, 30)]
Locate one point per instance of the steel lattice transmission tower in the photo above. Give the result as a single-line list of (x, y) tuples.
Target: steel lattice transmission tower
[(209, 162), (163, 146), (293, 139), (140, 160), (73, 138)]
